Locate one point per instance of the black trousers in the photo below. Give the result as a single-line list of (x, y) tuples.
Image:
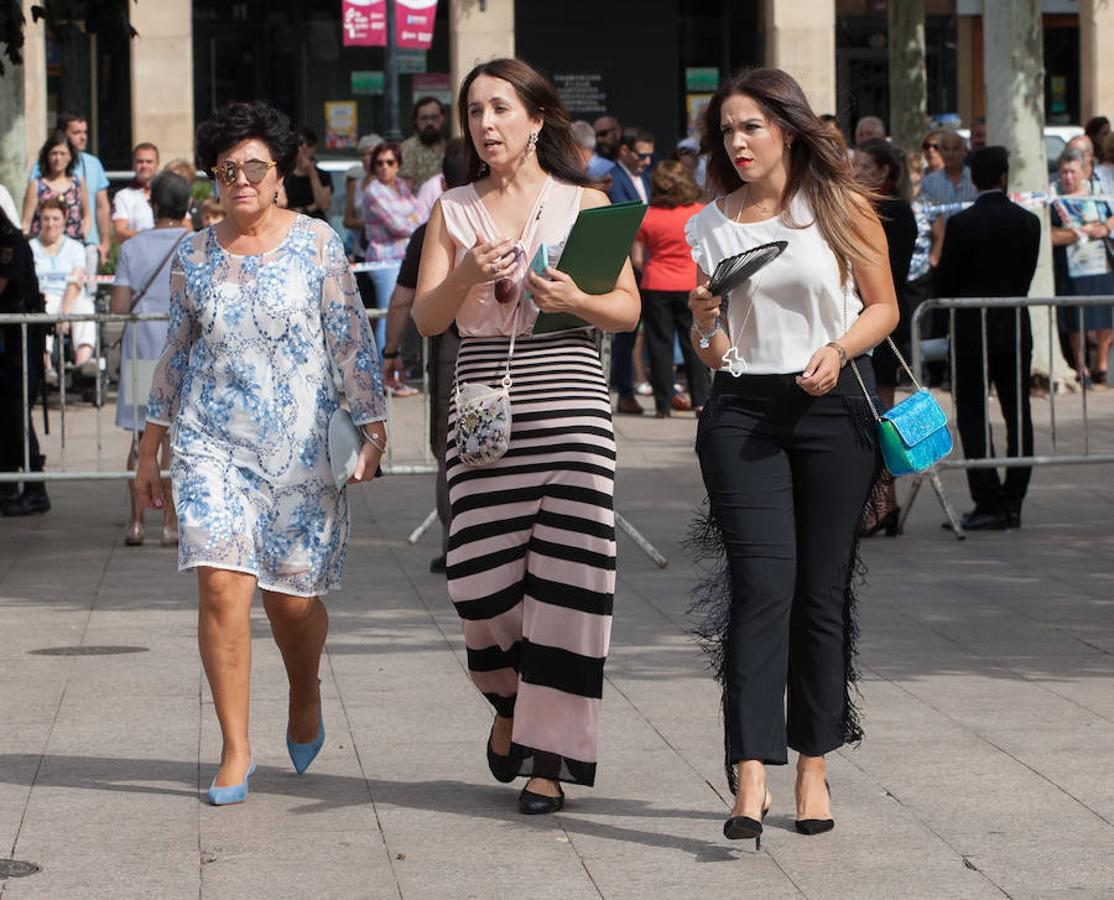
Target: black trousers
[(989, 492), (664, 313), (788, 477), (12, 419)]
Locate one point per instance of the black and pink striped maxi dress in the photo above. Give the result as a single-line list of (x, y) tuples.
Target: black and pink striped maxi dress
[(531, 556)]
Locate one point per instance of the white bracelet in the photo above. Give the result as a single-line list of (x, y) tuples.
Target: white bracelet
[(706, 339)]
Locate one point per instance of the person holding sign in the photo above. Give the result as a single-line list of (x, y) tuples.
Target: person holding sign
[(531, 454), (142, 285), (786, 441)]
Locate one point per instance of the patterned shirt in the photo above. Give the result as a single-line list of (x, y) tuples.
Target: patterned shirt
[(390, 216), (75, 208), (922, 246), (420, 162)]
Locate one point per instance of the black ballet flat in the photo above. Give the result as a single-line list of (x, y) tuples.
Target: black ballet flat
[(743, 828), (816, 826), (531, 804), (504, 768)]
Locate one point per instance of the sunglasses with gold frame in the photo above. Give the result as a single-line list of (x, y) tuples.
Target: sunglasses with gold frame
[(255, 170)]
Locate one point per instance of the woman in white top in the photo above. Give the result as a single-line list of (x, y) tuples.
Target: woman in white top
[(786, 441), (60, 267)]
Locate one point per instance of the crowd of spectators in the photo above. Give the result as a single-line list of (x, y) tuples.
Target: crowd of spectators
[(390, 194)]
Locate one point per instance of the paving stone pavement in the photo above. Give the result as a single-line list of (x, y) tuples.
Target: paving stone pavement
[(986, 771)]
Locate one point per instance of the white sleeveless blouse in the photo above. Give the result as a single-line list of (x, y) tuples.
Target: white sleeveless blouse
[(790, 308)]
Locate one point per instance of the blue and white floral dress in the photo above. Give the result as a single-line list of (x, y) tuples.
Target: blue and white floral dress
[(247, 384)]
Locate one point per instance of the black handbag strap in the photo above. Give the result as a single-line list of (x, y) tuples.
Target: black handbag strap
[(858, 375)]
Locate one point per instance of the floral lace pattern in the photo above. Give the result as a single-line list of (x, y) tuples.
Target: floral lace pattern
[(483, 425), (246, 383)]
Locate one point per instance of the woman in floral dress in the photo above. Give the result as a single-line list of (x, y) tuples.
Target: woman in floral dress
[(263, 312)]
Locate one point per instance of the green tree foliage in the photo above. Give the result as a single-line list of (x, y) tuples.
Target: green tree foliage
[(93, 16)]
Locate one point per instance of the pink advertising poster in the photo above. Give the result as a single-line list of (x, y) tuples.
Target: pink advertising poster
[(364, 23), (414, 23)]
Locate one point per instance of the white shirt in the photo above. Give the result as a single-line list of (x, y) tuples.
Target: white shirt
[(8, 206), (133, 205), (789, 308), (53, 270), (431, 189)]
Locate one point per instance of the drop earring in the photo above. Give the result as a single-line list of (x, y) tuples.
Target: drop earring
[(531, 144), (274, 199)]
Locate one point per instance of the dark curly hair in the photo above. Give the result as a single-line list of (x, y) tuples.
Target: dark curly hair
[(237, 121), (55, 139)]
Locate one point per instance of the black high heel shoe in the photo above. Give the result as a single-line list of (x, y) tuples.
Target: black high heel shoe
[(816, 826), (743, 828), (888, 523), (504, 768)]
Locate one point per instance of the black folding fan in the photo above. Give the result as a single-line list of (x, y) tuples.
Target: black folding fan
[(734, 270)]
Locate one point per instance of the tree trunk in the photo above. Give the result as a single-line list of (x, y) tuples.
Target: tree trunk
[(1013, 47), (908, 90), (13, 134)]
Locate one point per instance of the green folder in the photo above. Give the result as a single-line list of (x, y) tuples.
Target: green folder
[(594, 253)]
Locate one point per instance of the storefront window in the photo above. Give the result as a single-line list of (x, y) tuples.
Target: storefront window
[(290, 53)]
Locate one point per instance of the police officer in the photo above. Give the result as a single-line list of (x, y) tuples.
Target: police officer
[(19, 293)]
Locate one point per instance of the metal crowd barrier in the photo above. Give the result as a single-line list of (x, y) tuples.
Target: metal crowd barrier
[(391, 465), (426, 465), (1058, 455)]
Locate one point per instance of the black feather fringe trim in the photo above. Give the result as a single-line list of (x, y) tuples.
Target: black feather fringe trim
[(711, 612), (711, 606)]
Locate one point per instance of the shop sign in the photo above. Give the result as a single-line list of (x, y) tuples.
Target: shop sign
[(411, 62), (367, 83), (340, 124), (583, 93), (364, 23), (433, 84), (701, 78), (414, 21)]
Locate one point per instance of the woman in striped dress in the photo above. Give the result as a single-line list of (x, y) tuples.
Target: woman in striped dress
[(531, 558)]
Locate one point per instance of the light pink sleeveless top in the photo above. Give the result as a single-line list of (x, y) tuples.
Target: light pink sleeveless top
[(549, 223)]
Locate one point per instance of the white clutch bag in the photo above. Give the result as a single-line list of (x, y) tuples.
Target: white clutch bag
[(345, 441)]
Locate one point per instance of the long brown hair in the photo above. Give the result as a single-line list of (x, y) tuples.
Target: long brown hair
[(818, 166), (557, 149), (672, 186)]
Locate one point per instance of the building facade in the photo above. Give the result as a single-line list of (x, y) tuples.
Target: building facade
[(653, 63)]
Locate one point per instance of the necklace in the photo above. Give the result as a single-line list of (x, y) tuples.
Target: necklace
[(743, 200)]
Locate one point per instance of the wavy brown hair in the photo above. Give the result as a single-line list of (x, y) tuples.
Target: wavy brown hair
[(557, 149), (818, 166), (671, 185)]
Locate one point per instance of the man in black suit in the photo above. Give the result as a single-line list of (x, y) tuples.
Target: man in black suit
[(990, 250)]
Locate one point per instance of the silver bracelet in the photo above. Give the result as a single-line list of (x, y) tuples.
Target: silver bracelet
[(706, 339), (374, 441)]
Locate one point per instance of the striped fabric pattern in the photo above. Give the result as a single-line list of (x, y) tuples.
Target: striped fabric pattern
[(531, 557)]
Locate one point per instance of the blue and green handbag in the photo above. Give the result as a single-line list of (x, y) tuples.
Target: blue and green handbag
[(914, 435)]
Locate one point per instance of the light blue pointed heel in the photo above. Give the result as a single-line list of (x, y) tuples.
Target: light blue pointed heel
[(234, 793), (303, 754)]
